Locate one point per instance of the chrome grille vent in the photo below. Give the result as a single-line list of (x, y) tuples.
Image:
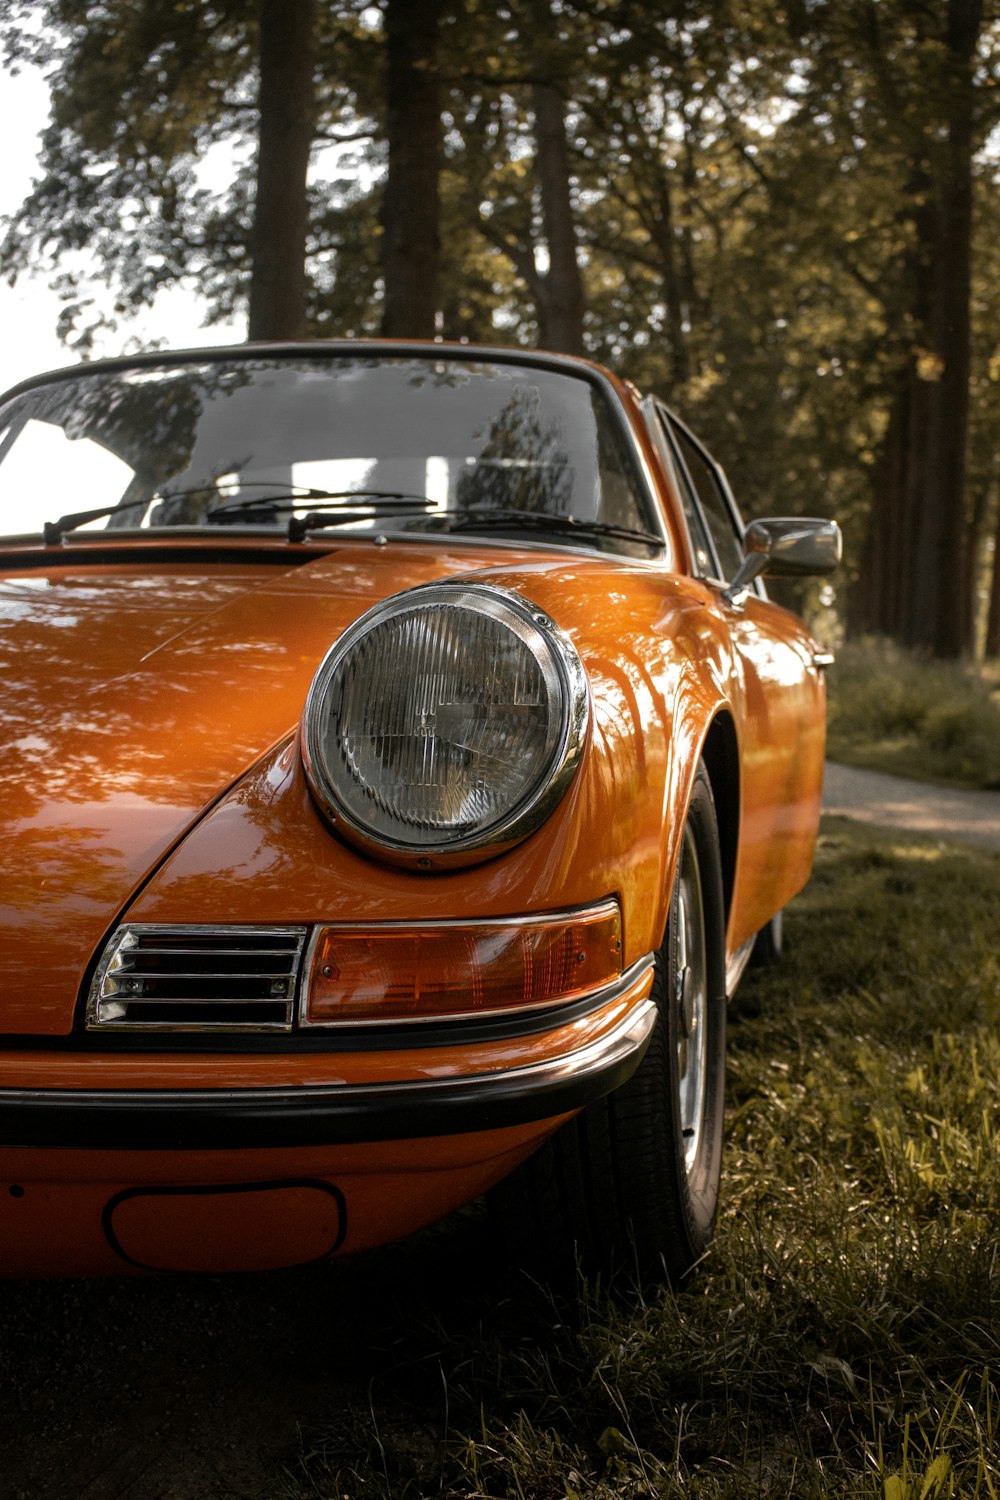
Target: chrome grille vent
[(197, 979)]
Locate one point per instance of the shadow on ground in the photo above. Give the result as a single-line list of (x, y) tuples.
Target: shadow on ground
[(202, 1387)]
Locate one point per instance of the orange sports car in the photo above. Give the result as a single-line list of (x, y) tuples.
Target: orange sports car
[(401, 759)]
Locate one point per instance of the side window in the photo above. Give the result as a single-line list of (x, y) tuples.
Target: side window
[(713, 503), (701, 546), (620, 499)]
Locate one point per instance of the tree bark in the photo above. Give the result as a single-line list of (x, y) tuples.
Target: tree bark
[(992, 643), (876, 603), (287, 108), (915, 578), (410, 205), (561, 289), (676, 300), (937, 611)]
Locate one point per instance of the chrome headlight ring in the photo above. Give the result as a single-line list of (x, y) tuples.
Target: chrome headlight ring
[(445, 724)]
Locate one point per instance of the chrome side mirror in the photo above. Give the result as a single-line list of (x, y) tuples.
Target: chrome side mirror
[(785, 546)]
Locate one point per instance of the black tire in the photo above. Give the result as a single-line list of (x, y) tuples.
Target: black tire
[(629, 1187)]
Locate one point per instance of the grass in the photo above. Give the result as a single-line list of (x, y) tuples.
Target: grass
[(892, 711), (841, 1338)]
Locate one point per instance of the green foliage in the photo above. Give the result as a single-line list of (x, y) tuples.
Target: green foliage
[(892, 711), (842, 1337), (142, 96)]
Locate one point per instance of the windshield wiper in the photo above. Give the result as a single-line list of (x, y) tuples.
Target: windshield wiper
[(277, 499), (490, 518), (292, 499), (53, 531), (370, 504)]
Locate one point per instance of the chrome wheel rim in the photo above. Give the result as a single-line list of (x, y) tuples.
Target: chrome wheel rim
[(691, 1001)]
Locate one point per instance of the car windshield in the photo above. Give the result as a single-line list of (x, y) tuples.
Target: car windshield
[(403, 442)]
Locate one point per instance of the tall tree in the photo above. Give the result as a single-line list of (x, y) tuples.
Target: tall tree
[(560, 290), (144, 92), (410, 202), (936, 611), (551, 59), (286, 132), (515, 157), (917, 109)]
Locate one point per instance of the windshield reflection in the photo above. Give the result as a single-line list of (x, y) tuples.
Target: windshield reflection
[(172, 444)]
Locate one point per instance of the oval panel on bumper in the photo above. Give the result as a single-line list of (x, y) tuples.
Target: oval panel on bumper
[(244, 1227)]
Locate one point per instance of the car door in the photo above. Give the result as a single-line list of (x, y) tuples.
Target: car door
[(776, 694)]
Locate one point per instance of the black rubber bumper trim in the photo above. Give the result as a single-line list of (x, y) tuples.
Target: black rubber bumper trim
[(213, 1119)]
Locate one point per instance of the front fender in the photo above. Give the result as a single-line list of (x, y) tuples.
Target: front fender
[(655, 663)]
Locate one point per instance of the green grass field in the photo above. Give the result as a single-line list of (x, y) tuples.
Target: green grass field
[(935, 721), (841, 1338)]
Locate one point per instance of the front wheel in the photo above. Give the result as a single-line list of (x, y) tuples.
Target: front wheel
[(631, 1185)]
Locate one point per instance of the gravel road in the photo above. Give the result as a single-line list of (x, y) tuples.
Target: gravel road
[(896, 803)]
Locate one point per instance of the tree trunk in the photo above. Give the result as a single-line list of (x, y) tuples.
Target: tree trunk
[(561, 291), (876, 601), (972, 566), (410, 205), (287, 107), (678, 305), (914, 578), (937, 611), (992, 645)]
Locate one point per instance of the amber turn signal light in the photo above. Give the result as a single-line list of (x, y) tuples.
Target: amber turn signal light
[(449, 969)]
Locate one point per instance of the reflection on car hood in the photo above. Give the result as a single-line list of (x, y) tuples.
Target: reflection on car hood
[(131, 698)]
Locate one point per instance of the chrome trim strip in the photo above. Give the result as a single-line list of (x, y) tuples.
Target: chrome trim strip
[(654, 431)]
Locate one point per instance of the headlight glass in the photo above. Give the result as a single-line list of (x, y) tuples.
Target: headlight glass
[(445, 722)]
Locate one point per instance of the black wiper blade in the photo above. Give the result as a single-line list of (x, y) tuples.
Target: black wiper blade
[(277, 499), (53, 531), (296, 495), (320, 520), (488, 517), (369, 504)]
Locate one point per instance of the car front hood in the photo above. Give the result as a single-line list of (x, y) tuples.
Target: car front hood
[(131, 698)]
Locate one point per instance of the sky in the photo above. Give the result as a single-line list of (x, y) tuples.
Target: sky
[(28, 311)]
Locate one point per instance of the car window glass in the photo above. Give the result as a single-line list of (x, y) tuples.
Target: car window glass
[(175, 442), (703, 561), (713, 503)]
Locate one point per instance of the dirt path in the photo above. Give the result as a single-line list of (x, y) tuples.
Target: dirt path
[(896, 803)]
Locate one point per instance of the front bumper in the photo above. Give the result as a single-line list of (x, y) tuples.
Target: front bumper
[(227, 1103), (503, 1092), (251, 1161)]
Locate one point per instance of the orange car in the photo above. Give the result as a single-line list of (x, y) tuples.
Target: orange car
[(401, 758)]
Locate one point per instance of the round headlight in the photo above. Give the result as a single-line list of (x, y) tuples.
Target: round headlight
[(445, 724)]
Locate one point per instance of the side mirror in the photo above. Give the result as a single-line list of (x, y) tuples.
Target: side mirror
[(785, 546)]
